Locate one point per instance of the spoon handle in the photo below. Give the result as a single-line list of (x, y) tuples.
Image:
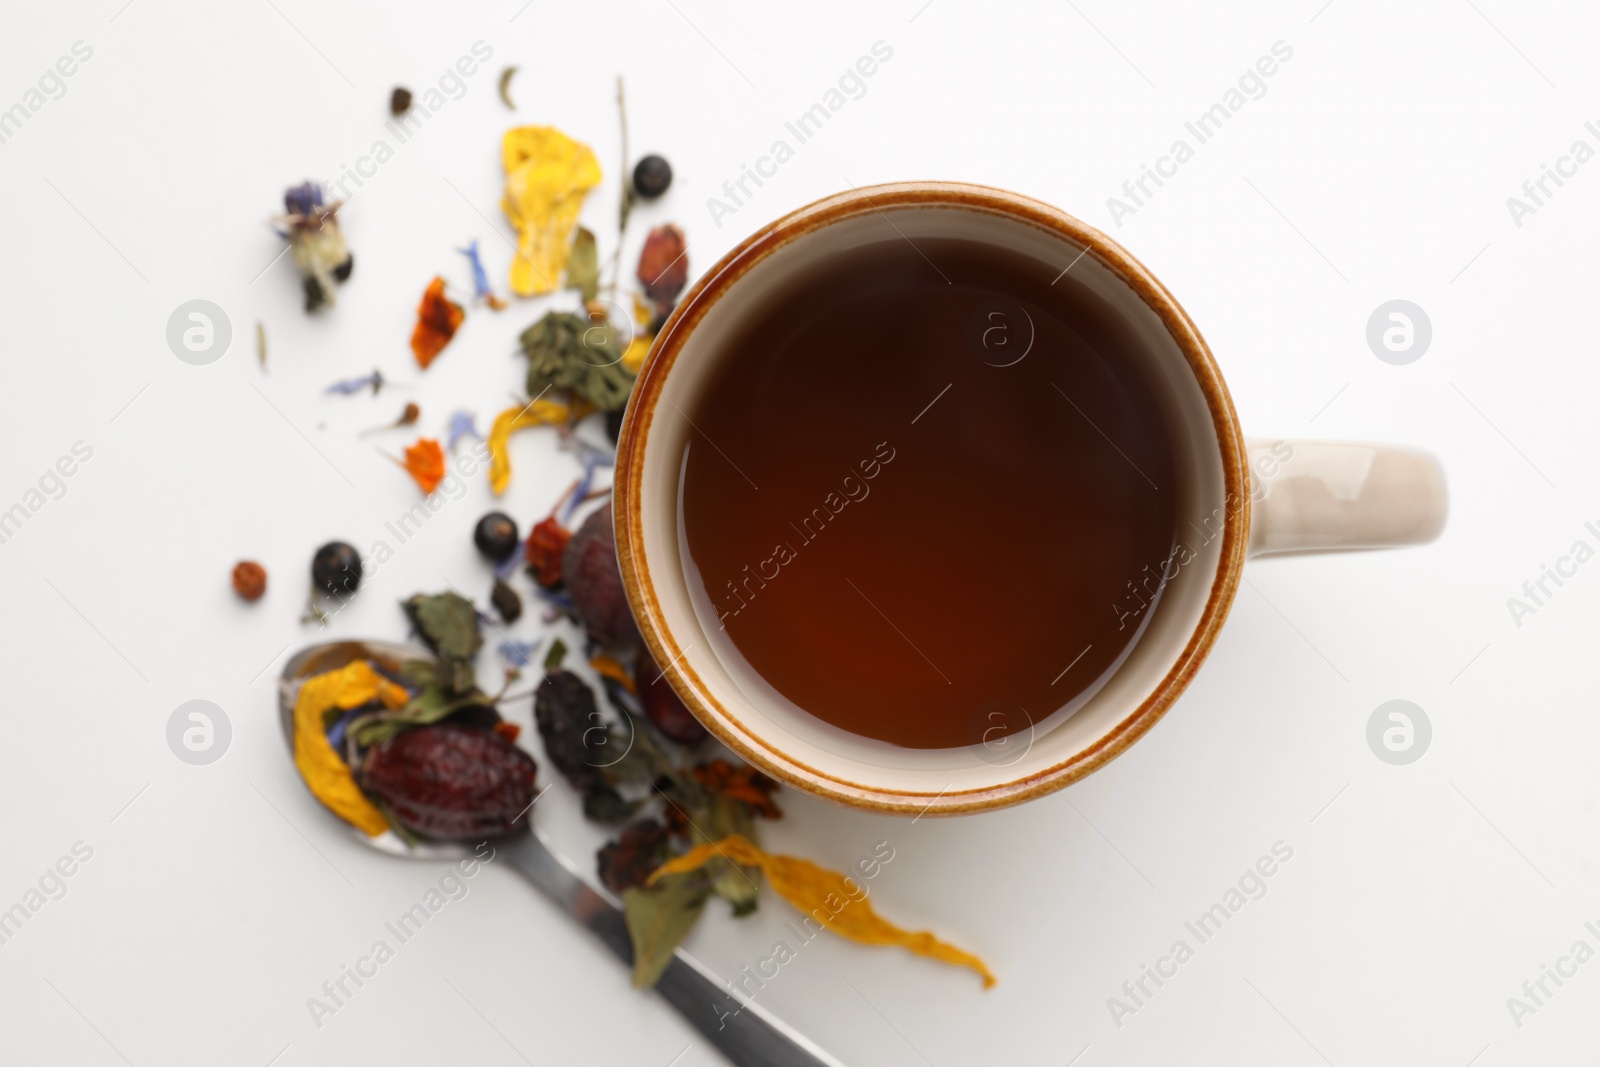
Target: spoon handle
[(743, 1031)]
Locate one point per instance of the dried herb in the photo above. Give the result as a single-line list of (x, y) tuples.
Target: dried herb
[(546, 546), (408, 417), (481, 289), (664, 267), (603, 804), (425, 463), (557, 653), (548, 175), (448, 625), (659, 918), (438, 318), (316, 243), (325, 774), (813, 890), (506, 601), (249, 580), (574, 734), (505, 86), (583, 265), (462, 424), (743, 783), (568, 351), (452, 782), (537, 413), (607, 667), (351, 386), (635, 854)]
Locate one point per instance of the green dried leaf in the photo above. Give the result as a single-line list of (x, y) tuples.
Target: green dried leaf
[(659, 919), (557, 653), (429, 706), (583, 265), (448, 624), (568, 351), (604, 804)]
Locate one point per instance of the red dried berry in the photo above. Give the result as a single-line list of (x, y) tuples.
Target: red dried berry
[(663, 266), (594, 581), (661, 702), (547, 546), (249, 580), (452, 782), (629, 860)]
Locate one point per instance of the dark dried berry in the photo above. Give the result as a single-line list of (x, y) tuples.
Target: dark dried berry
[(574, 734), (661, 702), (476, 716), (651, 177), (399, 101), (496, 536), (336, 568), (341, 273), (614, 423), (664, 266), (506, 601), (249, 580), (629, 860), (594, 580), (452, 782)]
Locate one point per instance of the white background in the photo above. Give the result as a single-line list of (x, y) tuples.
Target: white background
[(1377, 166)]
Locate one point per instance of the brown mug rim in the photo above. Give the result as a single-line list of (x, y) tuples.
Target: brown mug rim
[(724, 722)]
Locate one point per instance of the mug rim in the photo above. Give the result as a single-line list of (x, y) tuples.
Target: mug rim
[(627, 518)]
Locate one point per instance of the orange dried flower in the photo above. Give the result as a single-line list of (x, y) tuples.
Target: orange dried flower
[(547, 547), (508, 730), (437, 321), (740, 783), (425, 463)]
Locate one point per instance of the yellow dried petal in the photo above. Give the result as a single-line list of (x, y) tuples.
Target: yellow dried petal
[(328, 776), (827, 898), (607, 667), (538, 413), (548, 175)]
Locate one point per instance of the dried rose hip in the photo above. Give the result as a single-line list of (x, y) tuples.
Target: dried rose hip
[(661, 702), (570, 724), (546, 548), (594, 580), (249, 580), (663, 267), (629, 860), (452, 782)]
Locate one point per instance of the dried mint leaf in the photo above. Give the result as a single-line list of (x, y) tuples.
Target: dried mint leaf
[(659, 919), (568, 351), (557, 653), (448, 624), (604, 804), (583, 265)]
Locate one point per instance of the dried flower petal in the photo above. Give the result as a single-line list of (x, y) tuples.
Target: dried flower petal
[(538, 413), (425, 463), (742, 783), (326, 775), (480, 278), (815, 890), (548, 175), (438, 318), (607, 667)]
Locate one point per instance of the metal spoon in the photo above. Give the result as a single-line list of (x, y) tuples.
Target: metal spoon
[(745, 1033)]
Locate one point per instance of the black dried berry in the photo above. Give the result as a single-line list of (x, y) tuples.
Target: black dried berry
[(614, 424), (341, 273), (651, 177), (506, 601), (496, 536), (574, 734), (336, 568), (629, 860)]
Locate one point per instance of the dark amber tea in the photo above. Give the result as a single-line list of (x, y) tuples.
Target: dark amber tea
[(923, 487)]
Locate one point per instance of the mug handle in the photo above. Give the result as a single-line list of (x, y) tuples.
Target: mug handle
[(1311, 496)]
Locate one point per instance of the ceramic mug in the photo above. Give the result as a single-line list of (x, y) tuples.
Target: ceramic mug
[(1238, 497)]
